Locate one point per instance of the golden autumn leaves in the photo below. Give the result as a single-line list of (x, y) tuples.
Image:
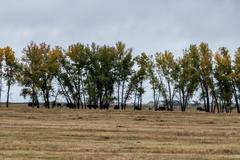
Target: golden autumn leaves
[(8, 68), (100, 75)]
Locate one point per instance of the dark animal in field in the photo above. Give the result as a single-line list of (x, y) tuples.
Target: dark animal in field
[(71, 105), (46, 105), (169, 109), (30, 104), (92, 106), (137, 108), (59, 104), (200, 109), (95, 106), (161, 108), (53, 104), (116, 107), (105, 106)]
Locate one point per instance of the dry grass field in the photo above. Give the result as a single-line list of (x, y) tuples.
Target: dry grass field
[(66, 134)]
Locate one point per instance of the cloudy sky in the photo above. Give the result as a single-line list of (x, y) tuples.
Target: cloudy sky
[(144, 25)]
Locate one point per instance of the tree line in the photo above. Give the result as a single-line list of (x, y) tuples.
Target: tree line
[(99, 75)]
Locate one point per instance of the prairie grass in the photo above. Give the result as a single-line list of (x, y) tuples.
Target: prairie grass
[(50, 134)]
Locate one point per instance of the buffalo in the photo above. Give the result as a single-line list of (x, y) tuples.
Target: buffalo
[(92, 106), (161, 108), (116, 107), (137, 108), (54, 104), (71, 105), (30, 104), (200, 109), (105, 106)]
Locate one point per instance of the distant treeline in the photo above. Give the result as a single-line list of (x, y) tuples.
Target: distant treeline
[(94, 75)]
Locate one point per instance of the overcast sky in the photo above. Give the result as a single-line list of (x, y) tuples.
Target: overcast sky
[(145, 25)]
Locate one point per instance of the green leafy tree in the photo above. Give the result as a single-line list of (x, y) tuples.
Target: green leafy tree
[(101, 76), (77, 55), (166, 68), (92, 69), (131, 88), (141, 76), (45, 81), (105, 74), (65, 80), (236, 78), (10, 69), (186, 78), (30, 76), (124, 64), (1, 70), (49, 68), (39, 66), (205, 74), (223, 72), (154, 83)]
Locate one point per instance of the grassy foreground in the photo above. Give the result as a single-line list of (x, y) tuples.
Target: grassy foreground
[(27, 133)]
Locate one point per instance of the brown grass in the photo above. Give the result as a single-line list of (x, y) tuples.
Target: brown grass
[(27, 133)]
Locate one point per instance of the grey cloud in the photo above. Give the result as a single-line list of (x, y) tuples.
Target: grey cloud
[(150, 24), (145, 25)]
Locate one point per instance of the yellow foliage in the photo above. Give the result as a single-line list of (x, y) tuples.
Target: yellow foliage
[(9, 56), (1, 54)]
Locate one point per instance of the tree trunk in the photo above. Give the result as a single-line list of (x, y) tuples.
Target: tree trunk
[(207, 98), (183, 101), (33, 97), (47, 98), (123, 84), (154, 98), (135, 97), (0, 87), (84, 96), (8, 91), (203, 94), (140, 106), (236, 97), (173, 93), (35, 101), (170, 97), (118, 92)]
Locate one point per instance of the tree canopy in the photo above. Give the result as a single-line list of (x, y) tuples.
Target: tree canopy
[(86, 76)]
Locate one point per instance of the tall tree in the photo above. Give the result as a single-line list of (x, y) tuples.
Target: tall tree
[(236, 78), (65, 80), (223, 71), (30, 77), (124, 64), (141, 76), (101, 75), (1, 71), (205, 73), (154, 82), (105, 76), (49, 68), (166, 70), (78, 59), (186, 79), (92, 69), (45, 81), (10, 69), (131, 88)]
